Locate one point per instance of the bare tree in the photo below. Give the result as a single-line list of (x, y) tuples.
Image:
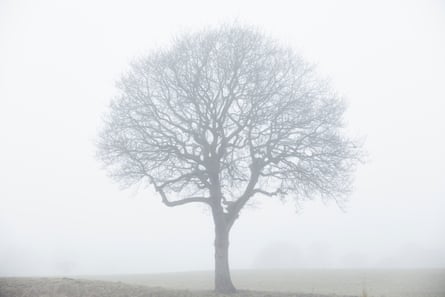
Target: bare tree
[(222, 116)]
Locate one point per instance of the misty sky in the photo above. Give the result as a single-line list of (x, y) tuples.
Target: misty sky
[(61, 214)]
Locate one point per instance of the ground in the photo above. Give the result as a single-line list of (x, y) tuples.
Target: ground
[(68, 287), (352, 282), (252, 283)]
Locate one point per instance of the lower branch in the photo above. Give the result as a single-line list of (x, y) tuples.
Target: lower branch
[(181, 201)]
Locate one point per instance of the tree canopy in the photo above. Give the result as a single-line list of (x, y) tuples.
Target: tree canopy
[(224, 115)]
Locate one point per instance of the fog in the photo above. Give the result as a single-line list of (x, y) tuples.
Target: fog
[(61, 214)]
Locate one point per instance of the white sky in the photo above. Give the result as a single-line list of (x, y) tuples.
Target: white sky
[(60, 213)]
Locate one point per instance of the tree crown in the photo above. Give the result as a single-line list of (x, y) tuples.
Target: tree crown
[(224, 114)]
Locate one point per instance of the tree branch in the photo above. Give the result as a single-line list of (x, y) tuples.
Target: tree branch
[(182, 201)]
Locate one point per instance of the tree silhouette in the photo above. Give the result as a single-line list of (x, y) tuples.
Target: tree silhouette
[(221, 117)]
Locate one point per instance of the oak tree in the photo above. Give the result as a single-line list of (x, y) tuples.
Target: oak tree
[(224, 116)]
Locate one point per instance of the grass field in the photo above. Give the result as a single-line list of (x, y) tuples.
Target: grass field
[(376, 283), (68, 287), (252, 283)]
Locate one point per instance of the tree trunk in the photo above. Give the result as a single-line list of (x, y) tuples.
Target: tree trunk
[(223, 282)]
